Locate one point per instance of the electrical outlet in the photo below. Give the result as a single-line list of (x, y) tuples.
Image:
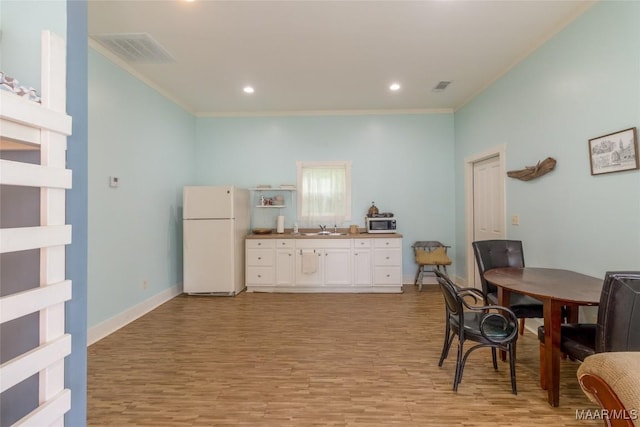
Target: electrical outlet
[(144, 284), (515, 220)]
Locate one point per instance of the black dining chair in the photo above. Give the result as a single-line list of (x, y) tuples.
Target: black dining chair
[(487, 325), (491, 254), (617, 327)]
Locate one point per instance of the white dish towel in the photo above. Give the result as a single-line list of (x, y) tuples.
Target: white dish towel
[(309, 262)]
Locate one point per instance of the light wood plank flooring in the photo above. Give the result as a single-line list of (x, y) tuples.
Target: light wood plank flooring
[(311, 360)]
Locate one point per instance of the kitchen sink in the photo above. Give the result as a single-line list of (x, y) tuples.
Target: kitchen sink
[(324, 234)]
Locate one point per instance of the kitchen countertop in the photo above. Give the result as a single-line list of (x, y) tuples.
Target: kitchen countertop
[(290, 235)]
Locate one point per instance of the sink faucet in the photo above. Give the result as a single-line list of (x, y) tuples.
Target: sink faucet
[(335, 228), (323, 229)]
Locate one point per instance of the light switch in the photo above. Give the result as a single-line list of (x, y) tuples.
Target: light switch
[(515, 220), (114, 181)]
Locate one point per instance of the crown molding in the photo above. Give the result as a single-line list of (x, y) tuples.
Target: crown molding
[(305, 113)]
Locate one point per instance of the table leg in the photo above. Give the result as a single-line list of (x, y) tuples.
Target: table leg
[(572, 313), (504, 299), (552, 324)]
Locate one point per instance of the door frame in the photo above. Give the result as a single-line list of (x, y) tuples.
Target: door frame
[(498, 151)]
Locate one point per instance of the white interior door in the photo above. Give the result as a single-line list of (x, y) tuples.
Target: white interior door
[(487, 205)]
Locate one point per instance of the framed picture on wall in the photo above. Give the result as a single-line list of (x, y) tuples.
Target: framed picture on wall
[(614, 152)]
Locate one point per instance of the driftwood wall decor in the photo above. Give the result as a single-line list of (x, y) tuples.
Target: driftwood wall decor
[(531, 172)]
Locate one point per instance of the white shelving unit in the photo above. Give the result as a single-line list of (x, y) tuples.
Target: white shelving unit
[(266, 220), (260, 190)]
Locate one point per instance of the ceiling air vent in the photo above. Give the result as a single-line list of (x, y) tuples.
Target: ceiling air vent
[(442, 85), (135, 47)]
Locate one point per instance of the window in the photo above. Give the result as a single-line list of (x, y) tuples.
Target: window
[(324, 193)]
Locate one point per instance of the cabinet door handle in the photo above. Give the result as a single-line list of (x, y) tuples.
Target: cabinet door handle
[(259, 257), (259, 275), (387, 257), (388, 275)]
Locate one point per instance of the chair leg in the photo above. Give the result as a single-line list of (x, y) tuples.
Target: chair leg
[(512, 367), (448, 339), (494, 358), (503, 354), (415, 281), (542, 370), (459, 368), (521, 328)]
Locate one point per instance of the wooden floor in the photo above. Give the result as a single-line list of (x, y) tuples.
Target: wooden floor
[(311, 360)]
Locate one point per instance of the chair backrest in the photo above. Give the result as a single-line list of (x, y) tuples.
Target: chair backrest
[(450, 294), (496, 254), (618, 327)]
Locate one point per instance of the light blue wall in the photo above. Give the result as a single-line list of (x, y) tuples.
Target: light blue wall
[(21, 23), (76, 262), (401, 162), (583, 83), (147, 142)]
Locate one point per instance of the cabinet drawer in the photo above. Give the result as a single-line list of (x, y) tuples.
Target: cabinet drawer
[(284, 243), (362, 243), (259, 276), (260, 243), (387, 243), (390, 257), (259, 257), (321, 243), (387, 276)]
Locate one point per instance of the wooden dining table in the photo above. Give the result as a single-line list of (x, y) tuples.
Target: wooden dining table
[(556, 289)]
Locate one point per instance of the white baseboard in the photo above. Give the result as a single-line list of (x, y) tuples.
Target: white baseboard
[(427, 279), (109, 326), (531, 325)]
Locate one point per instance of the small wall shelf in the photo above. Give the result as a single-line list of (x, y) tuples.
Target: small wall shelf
[(272, 189), (261, 217)]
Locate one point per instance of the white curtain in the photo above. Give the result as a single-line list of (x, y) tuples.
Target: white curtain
[(323, 195)]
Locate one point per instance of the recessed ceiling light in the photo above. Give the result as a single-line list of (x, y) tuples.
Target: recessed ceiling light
[(248, 89), (394, 87)]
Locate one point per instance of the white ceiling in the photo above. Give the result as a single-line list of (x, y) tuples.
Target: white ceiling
[(312, 56)]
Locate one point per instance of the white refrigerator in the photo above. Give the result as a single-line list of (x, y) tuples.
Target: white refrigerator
[(215, 223)]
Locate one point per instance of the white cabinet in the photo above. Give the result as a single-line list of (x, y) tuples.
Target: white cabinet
[(285, 262), (309, 267), (362, 262), (387, 262), (337, 267), (260, 266), (372, 264), (332, 265)]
